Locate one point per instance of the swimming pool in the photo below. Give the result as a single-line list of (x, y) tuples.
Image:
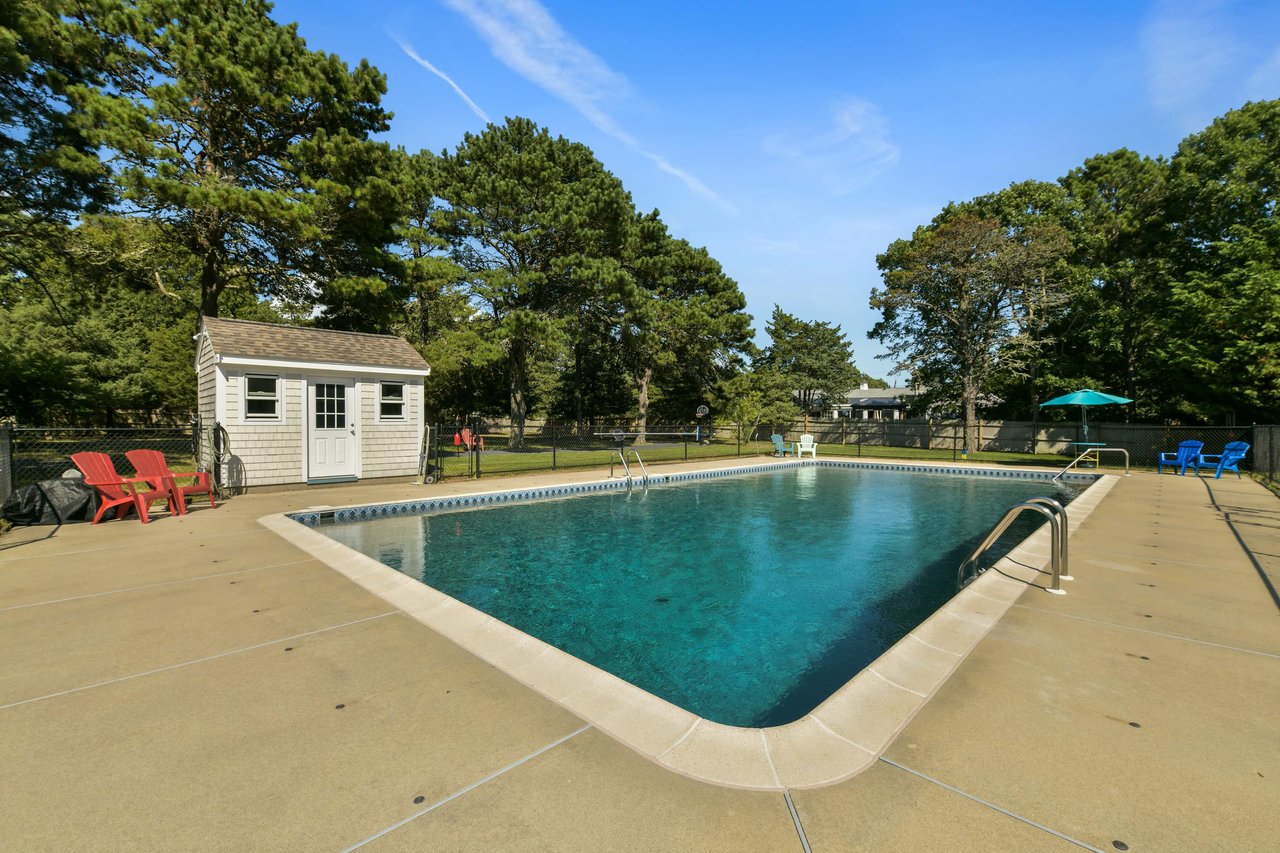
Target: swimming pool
[(746, 600), (841, 737)]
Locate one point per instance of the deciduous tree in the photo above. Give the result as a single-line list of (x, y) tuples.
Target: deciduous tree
[(1227, 294), (1121, 316), (947, 311)]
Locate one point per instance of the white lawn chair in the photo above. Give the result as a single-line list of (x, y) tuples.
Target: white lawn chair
[(807, 445)]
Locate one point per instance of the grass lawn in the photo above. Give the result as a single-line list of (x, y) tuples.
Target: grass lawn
[(494, 461)]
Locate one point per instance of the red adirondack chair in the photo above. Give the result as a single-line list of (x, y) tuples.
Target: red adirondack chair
[(121, 493), (150, 466), (468, 440)]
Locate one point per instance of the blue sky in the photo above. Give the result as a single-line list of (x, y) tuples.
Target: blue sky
[(797, 141)]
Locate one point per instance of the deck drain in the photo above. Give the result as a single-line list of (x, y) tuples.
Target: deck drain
[(1136, 725), (420, 800), (288, 648), (339, 707), (1119, 845)]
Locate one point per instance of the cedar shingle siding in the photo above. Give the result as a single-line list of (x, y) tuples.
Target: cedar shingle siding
[(272, 453)]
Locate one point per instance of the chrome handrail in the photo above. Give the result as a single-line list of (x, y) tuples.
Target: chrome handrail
[(1066, 529), (1090, 452), (1057, 516), (644, 471), (626, 469)]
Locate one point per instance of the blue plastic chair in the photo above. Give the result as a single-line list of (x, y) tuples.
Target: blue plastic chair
[(780, 448), (1187, 454), (1228, 460)]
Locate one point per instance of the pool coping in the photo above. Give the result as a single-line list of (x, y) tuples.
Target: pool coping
[(840, 738)]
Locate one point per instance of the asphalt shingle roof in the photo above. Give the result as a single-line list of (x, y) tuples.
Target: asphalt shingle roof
[(252, 339)]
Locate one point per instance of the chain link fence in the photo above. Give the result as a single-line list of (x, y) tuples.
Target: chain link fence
[(1045, 443), (489, 448), (479, 448), (1265, 454), (31, 454)]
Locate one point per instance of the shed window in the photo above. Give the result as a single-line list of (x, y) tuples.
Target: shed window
[(391, 401), (261, 398)]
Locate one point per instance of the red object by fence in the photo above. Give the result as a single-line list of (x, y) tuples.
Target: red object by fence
[(150, 466), (120, 493)]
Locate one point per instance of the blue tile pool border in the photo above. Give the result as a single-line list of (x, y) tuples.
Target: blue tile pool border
[(368, 512)]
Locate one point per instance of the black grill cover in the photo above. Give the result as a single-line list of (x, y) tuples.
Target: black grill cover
[(61, 501)]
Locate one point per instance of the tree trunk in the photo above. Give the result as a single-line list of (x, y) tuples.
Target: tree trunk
[(1035, 406), (209, 247), (577, 387), (424, 320), (210, 286), (642, 418), (970, 416), (519, 406)]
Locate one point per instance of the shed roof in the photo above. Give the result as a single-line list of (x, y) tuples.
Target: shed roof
[(252, 339)]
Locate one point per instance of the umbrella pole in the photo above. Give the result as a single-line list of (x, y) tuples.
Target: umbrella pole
[(1084, 417)]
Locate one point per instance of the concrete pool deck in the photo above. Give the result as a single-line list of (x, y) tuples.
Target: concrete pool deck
[(199, 683)]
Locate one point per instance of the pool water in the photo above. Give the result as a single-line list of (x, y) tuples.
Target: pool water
[(746, 600)]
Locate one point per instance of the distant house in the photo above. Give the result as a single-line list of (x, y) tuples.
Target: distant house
[(299, 405), (874, 404)]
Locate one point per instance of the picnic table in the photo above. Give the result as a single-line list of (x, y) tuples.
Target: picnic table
[(1079, 447)]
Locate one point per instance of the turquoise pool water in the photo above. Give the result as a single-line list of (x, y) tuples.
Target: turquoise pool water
[(746, 600)]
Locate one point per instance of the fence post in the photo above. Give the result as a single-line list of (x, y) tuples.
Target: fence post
[(685, 436), (475, 444), (6, 461), (552, 422)]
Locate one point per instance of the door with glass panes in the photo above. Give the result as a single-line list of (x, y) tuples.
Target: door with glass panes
[(331, 429)]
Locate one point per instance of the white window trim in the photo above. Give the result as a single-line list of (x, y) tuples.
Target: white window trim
[(244, 399), (404, 402)]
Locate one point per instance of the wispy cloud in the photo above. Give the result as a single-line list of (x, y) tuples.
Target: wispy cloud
[(851, 151), (1187, 49), (1265, 80), (525, 37), (412, 54)]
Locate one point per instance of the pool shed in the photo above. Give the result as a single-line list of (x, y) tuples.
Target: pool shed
[(302, 405)]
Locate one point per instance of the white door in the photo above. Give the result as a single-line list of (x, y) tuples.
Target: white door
[(331, 444)]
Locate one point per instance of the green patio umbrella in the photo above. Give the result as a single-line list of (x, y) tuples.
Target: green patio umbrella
[(1085, 398)]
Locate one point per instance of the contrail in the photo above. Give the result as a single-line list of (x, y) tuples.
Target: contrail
[(525, 37), (412, 54)]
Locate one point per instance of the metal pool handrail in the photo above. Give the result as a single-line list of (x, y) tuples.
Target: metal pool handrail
[(626, 469), (1065, 520), (1089, 452), (1057, 516), (644, 471)]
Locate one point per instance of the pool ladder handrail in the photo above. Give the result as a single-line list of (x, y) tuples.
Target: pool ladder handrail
[(1058, 529), (626, 469), (1090, 452), (644, 472)]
